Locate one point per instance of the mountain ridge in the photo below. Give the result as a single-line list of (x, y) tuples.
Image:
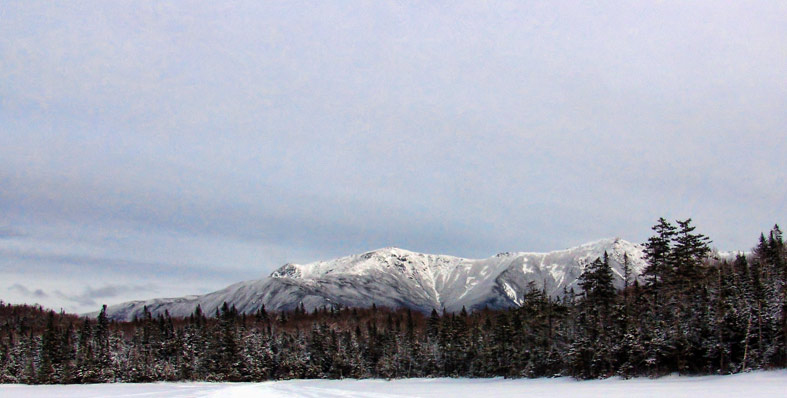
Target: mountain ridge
[(395, 277)]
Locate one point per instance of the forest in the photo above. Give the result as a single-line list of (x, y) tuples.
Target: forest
[(690, 312)]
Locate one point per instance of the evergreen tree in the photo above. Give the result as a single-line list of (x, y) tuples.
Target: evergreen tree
[(48, 352), (103, 361), (658, 253), (688, 254), (596, 281), (86, 368)]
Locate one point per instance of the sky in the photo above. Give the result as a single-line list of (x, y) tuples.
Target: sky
[(156, 149)]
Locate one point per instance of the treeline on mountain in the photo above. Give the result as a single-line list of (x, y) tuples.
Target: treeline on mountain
[(690, 313)]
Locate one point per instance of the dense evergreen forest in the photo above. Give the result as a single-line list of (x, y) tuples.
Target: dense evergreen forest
[(690, 313)]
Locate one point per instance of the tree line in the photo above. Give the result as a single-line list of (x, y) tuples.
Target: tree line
[(688, 313)]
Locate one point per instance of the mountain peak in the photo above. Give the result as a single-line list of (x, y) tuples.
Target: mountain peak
[(288, 270)]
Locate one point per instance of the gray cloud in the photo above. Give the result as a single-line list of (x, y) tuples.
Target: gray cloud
[(7, 232), (312, 220), (88, 296), (76, 264), (92, 297), (37, 293)]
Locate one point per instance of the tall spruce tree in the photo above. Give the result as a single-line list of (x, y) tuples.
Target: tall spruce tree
[(688, 254), (658, 254)]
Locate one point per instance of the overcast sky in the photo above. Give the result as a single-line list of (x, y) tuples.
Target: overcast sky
[(152, 149)]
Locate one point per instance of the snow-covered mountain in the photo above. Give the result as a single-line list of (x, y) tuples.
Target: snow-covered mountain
[(393, 277)]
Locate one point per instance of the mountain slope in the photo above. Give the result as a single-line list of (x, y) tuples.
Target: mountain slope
[(394, 277)]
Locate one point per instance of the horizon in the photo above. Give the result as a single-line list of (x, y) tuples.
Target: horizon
[(613, 239)]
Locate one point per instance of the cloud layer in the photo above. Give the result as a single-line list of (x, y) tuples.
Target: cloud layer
[(195, 144)]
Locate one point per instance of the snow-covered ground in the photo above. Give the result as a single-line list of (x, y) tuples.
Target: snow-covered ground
[(756, 384)]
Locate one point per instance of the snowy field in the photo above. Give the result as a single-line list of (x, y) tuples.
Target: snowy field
[(757, 384)]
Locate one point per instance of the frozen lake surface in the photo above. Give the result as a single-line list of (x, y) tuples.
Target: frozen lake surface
[(756, 384)]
